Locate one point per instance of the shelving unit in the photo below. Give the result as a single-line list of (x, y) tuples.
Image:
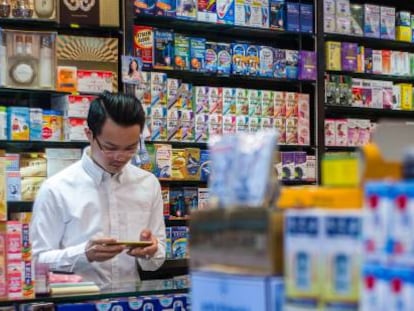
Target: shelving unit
[(372, 114)]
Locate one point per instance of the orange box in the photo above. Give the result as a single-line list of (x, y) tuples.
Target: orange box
[(66, 79)]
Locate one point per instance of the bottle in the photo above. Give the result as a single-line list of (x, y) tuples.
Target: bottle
[(28, 40), (3, 123), (5, 8), (19, 45), (44, 8), (22, 9), (3, 59), (46, 62)]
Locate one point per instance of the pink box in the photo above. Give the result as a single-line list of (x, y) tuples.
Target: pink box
[(330, 132), (79, 105), (303, 120), (353, 132), (341, 132), (229, 124), (292, 131), (291, 100), (94, 81), (279, 104), (215, 99), (280, 125), (215, 124)]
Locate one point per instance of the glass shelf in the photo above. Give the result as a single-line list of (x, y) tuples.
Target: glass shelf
[(142, 288)]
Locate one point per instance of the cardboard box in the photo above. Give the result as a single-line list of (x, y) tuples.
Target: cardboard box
[(94, 13)]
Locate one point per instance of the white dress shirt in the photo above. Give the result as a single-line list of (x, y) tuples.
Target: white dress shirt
[(82, 202)]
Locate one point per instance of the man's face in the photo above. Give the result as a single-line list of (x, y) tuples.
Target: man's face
[(114, 146)]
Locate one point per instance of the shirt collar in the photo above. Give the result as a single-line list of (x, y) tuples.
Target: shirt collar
[(97, 173)]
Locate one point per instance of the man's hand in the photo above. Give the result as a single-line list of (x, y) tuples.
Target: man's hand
[(102, 249), (145, 252)]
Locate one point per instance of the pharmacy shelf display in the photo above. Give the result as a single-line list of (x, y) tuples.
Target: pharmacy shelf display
[(364, 69)]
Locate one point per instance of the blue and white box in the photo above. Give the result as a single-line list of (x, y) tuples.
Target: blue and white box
[(306, 18), (387, 23), (266, 60), (372, 20), (224, 59), (225, 12), (239, 58), (292, 16), (219, 291)]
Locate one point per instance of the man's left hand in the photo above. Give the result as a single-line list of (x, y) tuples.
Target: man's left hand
[(148, 251)]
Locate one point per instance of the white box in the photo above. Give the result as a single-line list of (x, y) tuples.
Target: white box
[(220, 291)]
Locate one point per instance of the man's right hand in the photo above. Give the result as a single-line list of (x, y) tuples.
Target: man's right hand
[(102, 249)]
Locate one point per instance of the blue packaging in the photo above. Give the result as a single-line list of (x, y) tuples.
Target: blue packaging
[(181, 52), (277, 14), (372, 21), (403, 18), (292, 63), (191, 198), (219, 291), (279, 63), (144, 7), (36, 123), (211, 57), (252, 60), (186, 9), (177, 204), (266, 61), (204, 165), (165, 8), (225, 11), (168, 248), (224, 59), (292, 16), (197, 54), (306, 18), (163, 49), (239, 58), (18, 123), (179, 240)]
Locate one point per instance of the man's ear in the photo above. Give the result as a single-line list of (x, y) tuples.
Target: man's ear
[(88, 134)]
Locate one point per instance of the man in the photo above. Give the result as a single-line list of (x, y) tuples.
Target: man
[(101, 199)]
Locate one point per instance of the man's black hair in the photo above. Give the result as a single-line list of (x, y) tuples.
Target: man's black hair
[(123, 109)]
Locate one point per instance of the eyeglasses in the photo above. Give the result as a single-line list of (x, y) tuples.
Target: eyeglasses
[(117, 153)]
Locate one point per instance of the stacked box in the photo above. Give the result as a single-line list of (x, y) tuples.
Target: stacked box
[(371, 21), (163, 49)]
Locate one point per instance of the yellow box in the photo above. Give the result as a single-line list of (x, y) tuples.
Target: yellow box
[(406, 96), (321, 197), (403, 33), (178, 168), (333, 55), (340, 170)]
